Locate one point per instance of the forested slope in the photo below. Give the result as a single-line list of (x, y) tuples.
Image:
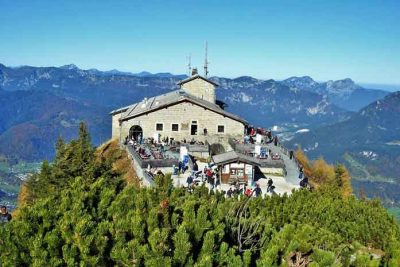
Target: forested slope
[(85, 214)]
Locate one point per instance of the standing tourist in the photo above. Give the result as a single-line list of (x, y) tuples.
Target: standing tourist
[(4, 215), (258, 191)]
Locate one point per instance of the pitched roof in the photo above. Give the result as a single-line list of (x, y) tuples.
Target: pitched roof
[(233, 156), (116, 111), (191, 78), (162, 101)]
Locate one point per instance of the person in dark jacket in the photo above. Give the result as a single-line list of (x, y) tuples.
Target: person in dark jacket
[(304, 182), (217, 179), (189, 181), (270, 183), (195, 166), (4, 215), (180, 166), (230, 192), (275, 140), (212, 182), (258, 191)]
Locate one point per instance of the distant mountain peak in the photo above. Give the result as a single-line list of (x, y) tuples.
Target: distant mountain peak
[(143, 74), (342, 87), (302, 78), (341, 83), (349, 80), (69, 67), (304, 82)]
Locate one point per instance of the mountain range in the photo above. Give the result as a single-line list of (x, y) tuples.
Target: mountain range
[(32, 120), (368, 143), (343, 93), (43, 103)]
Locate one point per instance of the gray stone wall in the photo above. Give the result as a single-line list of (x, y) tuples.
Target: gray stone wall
[(201, 89), (183, 114), (115, 126)]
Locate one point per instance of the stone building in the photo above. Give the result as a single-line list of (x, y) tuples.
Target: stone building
[(188, 113)]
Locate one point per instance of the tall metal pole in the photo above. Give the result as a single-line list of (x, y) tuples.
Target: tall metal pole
[(206, 62)]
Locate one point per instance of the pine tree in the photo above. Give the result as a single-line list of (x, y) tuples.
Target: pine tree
[(75, 159), (41, 184), (207, 249), (182, 246), (60, 149), (201, 223), (343, 180)]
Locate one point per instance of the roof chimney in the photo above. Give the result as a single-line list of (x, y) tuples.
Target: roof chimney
[(194, 71)]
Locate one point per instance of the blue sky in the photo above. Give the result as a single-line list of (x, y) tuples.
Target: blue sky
[(265, 39)]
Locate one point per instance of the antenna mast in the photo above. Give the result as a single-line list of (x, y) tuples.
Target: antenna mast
[(206, 62)]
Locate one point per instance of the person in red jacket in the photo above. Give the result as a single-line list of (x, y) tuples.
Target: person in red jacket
[(248, 192)]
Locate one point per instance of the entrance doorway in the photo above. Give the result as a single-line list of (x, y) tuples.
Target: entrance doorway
[(193, 128), (136, 133)]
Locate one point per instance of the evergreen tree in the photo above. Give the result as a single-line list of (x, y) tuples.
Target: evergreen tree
[(343, 180), (72, 160), (181, 246), (94, 218), (40, 184)]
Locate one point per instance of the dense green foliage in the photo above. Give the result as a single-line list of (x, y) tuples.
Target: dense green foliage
[(92, 218), (76, 159)]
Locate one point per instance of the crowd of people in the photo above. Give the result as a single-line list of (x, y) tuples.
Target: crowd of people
[(211, 177), (163, 140), (208, 175), (269, 138), (266, 136), (245, 190)]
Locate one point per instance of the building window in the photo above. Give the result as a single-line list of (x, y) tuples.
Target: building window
[(175, 127), (159, 126), (221, 129)]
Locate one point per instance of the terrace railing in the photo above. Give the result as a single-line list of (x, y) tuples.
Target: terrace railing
[(247, 147), (154, 163)]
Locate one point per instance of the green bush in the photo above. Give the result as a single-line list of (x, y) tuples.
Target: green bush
[(92, 218)]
